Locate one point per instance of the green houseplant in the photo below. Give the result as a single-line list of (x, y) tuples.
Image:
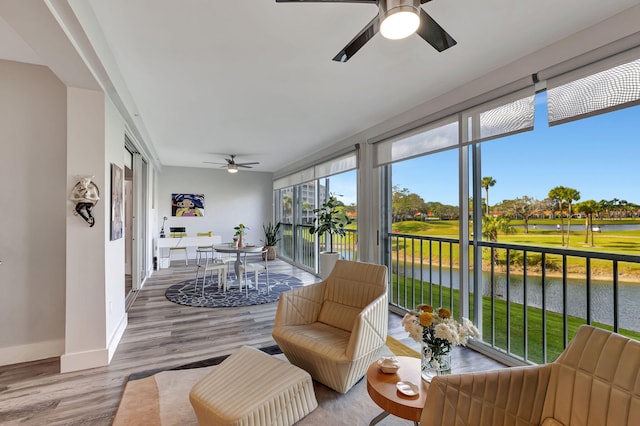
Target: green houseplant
[(330, 220), (271, 238)]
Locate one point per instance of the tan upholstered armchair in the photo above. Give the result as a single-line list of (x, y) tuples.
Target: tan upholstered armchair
[(595, 381), (335, 329)]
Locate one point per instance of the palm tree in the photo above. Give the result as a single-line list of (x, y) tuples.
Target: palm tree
[(570, 196), (492, 226), (556, 194), (624, 208), (604, 206), (487, 182), (563, 195), (613, 204), (589, 208)]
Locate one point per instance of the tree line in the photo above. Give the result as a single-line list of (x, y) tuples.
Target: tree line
[(561, 202)]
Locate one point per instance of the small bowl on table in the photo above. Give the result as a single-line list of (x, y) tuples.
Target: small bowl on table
[(388, 365)]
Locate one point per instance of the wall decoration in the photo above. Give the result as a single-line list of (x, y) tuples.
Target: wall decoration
[(117, 202), (85, 194), (187, 205)]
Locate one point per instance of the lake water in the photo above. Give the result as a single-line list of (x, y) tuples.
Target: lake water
[(601, 294), (580, 227)]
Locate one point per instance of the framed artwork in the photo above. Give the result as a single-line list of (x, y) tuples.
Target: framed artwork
[(117, 203), (187, 205)]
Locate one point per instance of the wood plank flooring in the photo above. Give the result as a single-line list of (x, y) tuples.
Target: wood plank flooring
[(160, 335)]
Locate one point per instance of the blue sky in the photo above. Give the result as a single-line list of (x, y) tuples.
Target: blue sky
[(344, 186), (598, 156)]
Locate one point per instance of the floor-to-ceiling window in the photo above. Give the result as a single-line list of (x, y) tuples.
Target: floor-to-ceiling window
[(530, 226), (343, 187), (295, 199), (567, 189), (424, 202)]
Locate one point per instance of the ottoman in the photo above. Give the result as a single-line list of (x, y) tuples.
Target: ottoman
[(253, 388)]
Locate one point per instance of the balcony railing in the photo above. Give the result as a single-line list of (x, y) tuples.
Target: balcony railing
[(533, 298), (347, 245), (297, 245)]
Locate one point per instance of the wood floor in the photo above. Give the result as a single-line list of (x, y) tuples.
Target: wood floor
[(160, 334)]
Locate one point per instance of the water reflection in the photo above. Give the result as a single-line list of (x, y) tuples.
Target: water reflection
[(601, 294)]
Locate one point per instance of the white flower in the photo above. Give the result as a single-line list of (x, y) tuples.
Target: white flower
[(407, 319), (467, 330), (413, 327), (449, 331)]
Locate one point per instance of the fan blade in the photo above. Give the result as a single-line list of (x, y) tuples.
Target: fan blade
[(358, 41), (244, 167), (211, 162), (327, 1), (433, 33), (246, 164)]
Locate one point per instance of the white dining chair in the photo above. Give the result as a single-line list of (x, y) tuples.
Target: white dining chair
[(256, 268), (226, 258), (210, 266)]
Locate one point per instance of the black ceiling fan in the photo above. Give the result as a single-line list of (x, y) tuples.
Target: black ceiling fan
[(232, 166), (428, 29)]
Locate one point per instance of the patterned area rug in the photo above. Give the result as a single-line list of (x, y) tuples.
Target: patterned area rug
[(184, 293)]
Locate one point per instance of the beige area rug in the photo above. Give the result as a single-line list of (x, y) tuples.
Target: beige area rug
[(163, 400)]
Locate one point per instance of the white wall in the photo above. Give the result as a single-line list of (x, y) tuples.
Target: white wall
[(34, 194), (245, 197), (115, 251), (85, 334), (95, 311)]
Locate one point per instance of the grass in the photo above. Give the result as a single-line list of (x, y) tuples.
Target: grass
[(509, 331), (620, 242)]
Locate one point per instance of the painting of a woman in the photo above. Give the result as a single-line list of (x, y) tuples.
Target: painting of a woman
[(184, 205)]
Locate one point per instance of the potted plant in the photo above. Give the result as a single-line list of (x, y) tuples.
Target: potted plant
[(330, 220), (240, 231), (271, 238)]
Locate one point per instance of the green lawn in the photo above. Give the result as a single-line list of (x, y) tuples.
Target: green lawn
[(410, 295), (621, 242)]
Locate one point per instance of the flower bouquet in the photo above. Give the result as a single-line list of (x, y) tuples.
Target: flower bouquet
[(437, 332)]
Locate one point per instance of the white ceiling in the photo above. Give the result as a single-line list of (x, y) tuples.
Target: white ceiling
[(209, 78)]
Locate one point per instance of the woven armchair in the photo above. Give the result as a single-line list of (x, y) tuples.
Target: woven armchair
[(336, 328), (595, 381)]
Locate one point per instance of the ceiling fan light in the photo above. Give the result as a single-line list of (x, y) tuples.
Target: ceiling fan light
[(232, 168), (399, 18)]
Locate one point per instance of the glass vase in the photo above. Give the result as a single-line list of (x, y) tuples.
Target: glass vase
[(435, 361)]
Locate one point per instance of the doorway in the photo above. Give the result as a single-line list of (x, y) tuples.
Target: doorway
[(128, 233), (135, 214)]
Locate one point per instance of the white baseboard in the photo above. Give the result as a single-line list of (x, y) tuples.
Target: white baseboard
[(83, 360), (94, 358), (31, 352), (68, 361), (117, 335)]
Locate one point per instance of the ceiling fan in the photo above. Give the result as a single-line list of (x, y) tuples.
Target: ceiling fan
[(396, 19), (232, 166)]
